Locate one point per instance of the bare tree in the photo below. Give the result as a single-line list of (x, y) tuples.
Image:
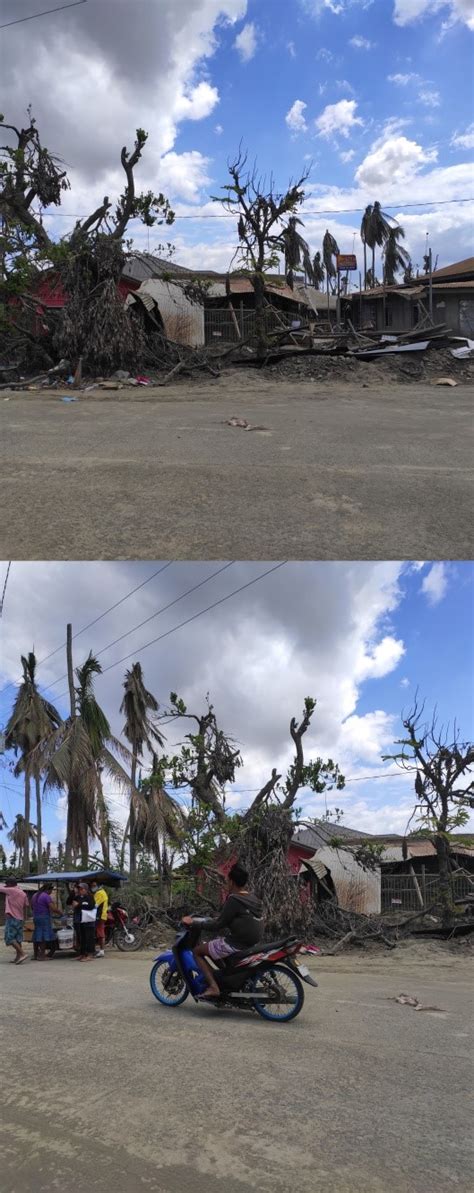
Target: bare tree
[(260, 212), (444, 788)]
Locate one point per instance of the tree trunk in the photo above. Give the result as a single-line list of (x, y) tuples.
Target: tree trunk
[(365, 266), (72, 701), (124, 843), (445, 881), (103, 833), (26, 842), (39, 827), (133, 844), (373, 267), (259, 291)]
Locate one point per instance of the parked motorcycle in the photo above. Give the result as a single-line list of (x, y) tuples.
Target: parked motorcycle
[(266, 978), (121, 931)]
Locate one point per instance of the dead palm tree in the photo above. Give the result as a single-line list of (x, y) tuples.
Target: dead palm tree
[(296, 251), (396, 257), (377, 231), (138, 706), (20, 836), (330, 250), (365, 236), (318, 271), (74, 757), (32, 719), (162, 821)]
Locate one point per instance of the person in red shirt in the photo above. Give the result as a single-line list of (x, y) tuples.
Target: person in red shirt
[(16, 906)]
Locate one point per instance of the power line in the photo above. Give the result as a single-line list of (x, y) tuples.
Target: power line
[(64, 215), (34, 16), (221, 601), (152, 616), (2, 602), (91, 623)]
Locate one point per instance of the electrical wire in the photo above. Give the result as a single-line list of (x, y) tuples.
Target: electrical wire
[(90, 623), (188, 620), (2, 602), (64, 215), (147, 619), (34, 16)]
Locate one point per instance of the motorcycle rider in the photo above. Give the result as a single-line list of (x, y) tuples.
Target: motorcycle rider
[(242, 921)]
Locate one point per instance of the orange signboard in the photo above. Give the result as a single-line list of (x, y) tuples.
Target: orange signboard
[(346, 261)]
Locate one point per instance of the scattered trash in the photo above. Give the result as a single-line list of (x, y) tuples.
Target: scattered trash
[(445, 381), (121, 375), (410, 1001), (68, 398), (70, 380), (143, 380), (464, 352), (243, 424), (110, 385)]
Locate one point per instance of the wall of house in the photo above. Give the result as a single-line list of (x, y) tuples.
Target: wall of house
[(456, 310), (183, 320), (356, 889)]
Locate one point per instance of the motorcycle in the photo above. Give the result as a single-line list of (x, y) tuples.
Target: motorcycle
[(118, 931), (266, 978)]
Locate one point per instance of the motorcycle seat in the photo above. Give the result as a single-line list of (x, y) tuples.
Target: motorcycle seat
[(261, 946)]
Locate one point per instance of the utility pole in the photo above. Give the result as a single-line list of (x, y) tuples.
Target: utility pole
[(430, 304)]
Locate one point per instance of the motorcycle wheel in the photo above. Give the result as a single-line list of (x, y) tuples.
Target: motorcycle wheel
[(126, 946), (272, 979), (171, 995)]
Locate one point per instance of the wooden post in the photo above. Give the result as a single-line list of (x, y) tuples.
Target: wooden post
[(423, 882), (416, 885), (431, 286), (338, 302), (360, 300), (241, 318)]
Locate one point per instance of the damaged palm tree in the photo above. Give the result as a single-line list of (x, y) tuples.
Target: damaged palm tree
[(260, 211), (93, 325)]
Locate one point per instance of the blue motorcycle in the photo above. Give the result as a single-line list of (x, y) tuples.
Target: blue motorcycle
[(266, 979)]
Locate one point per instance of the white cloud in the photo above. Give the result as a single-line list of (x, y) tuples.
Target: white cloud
[(395, 160), (464, 140), (246, 42), (198, 103), (408, 11), (294, 117), (402, 80), (184, 174), (146, 70), (429, 97), (291, 49), (347, 155), (362, 43), (218, 129), (325, 55), (405, 683), (338, 119), (367, 737), (435, 583)]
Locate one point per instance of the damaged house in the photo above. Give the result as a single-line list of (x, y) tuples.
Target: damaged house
[(401, 308), (405, 877), (198, 307)]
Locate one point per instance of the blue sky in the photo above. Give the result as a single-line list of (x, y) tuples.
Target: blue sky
[(359, 637), (375, 94)]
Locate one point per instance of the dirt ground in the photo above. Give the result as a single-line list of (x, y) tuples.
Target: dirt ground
[(104, 1089), (338, 469)]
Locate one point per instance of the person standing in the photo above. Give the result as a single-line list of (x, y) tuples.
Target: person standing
[(88, 911), (42, 907), (16, 906), (101, 900), (72, 902)]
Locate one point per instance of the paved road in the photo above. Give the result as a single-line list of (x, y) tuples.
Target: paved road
[(103, 1089), (341, 472)]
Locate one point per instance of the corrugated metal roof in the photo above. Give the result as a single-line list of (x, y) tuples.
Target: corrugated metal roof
[(421, 849), (459, 267), (440, 286)]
